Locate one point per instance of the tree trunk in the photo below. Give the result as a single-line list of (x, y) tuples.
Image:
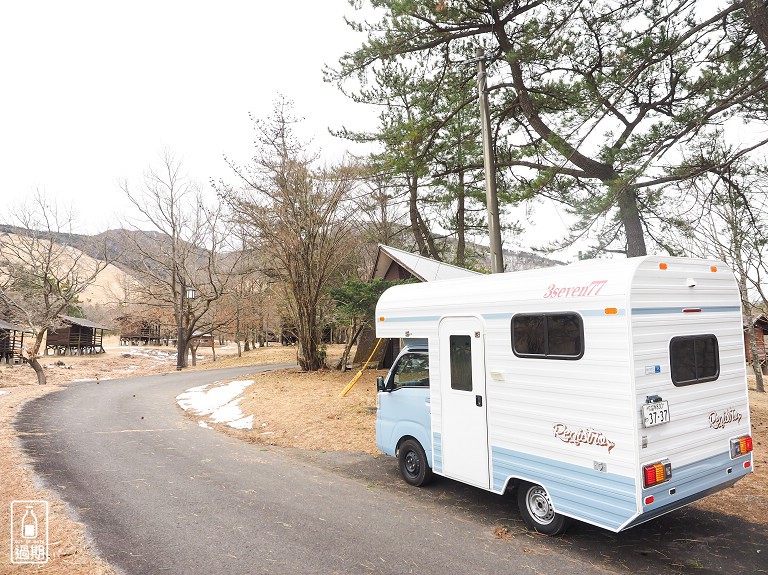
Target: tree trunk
[(308, 350), (413, 212), (757, 14), (354, 333), (33, 355), (756, 366), (39, 371), (630, 219), (460, 223)]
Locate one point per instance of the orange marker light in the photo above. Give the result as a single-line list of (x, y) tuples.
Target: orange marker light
[(381, 318), (662, 266), (713, 269), (611, 311)]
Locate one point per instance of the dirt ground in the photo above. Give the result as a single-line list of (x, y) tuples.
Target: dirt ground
[(290, 408)]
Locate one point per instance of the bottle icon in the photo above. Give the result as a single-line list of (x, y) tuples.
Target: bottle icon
[(29, 524)]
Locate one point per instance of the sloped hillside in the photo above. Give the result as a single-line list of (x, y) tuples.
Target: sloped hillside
[(111, 285)]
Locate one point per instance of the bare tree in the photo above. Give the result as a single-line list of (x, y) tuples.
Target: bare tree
[(41, 273), (730, 225), (300, 219), (188, 247)]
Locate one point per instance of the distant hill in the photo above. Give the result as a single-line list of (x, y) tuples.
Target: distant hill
[(117, 244), (99, 300), (480, 257), (515, 261)]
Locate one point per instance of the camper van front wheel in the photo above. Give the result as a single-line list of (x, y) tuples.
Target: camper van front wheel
[(537, 510), (413, 463)]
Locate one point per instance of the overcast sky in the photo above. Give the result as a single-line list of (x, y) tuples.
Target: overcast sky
[(93, 91)]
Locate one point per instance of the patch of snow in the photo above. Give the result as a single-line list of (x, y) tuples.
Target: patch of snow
[(243, 423), (4, 392), (220, 403), (205, 425), (227, 412)]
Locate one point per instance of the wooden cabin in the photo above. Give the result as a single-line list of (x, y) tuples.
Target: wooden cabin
[(76, 336), (393, 264), (761, 330), (11, 343), (139, 331)]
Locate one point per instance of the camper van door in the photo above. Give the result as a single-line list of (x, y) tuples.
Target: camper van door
[(464, 428)]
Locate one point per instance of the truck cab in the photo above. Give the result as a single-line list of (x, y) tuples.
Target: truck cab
[(403, 420)]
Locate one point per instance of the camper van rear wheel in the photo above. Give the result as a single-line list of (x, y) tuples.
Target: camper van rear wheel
[(413, 463), (537, 510)]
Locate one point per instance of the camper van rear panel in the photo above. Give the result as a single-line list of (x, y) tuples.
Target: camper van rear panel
[(689, 356)]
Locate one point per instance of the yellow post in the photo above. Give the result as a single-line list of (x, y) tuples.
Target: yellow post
[(352, 383)]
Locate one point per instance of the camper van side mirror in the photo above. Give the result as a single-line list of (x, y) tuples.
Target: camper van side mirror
[(380, 383)]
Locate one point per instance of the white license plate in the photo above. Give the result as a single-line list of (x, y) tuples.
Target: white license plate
[(655, 413)]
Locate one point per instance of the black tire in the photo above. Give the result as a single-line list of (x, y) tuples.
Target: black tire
[(537, 510), (413, 463)]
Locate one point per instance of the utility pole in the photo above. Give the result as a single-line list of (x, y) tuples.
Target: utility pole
[(180, 347), (492, 200)]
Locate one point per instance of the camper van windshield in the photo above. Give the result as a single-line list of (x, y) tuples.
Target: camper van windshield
[(412, 371)]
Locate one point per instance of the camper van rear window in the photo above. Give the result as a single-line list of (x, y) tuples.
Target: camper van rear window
[(548, 335), (694, 359)]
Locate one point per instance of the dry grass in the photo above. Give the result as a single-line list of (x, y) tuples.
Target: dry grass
[(304, 410), (290, 409)]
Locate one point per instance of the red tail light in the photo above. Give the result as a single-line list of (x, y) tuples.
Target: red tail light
[(741, 446), (656, 473)]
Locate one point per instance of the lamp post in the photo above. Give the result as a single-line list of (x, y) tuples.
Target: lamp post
[(188, 293)]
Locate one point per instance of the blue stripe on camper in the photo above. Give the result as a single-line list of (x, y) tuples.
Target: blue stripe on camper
[(504, 315), (411, 318), (663, 310), (601, 312), (437, 452), (604, 499), (584, 312)]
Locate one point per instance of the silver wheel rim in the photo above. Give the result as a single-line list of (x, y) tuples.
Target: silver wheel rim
[(539, 506)]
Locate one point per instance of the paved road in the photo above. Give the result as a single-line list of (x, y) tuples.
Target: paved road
[(161, 495)]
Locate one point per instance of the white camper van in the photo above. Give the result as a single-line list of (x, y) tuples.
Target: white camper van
[(608, 391)]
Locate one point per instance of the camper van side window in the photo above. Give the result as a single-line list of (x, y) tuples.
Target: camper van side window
[(694, 359), (548, 335)]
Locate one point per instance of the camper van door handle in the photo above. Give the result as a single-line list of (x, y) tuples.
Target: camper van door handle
[(479, 400)]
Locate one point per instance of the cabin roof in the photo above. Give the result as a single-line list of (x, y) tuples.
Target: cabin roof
[(758, 319), (9, 326), (422, 268), (82, 322)]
